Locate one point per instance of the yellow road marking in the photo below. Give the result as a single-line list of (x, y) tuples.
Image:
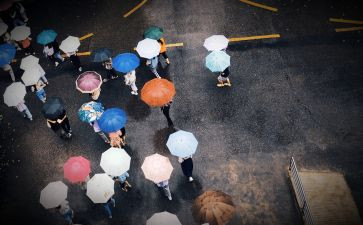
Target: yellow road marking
[(86, 36), (254, 37), (260, 5), (135, 8), (83, 53), (170, 45), (348, 29), (345, 21)]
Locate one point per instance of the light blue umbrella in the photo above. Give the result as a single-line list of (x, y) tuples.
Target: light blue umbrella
[(46, 37), (7, 53), (182, 143), (217, 61), (125, 62), (112, 120), (90, 111)]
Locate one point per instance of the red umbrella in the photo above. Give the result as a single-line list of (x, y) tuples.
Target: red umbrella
[(76, 169)]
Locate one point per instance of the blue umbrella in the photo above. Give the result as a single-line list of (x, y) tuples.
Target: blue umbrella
[(217, 61), (112, 120), (7, 53), (101, 55), (90, 111), (46, 37), (125, 62), (182, 143)]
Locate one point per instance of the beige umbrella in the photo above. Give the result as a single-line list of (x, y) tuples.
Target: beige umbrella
[(29, 62), (14, 94), (100, 188), (53, 194), (31, 76), (20, 33), (163, 218), (115, 161), (157, 168), (70, 44), (213, 207)]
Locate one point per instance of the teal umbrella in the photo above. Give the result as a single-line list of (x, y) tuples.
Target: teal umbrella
[(217, 61), (182, 143), (154, 33)]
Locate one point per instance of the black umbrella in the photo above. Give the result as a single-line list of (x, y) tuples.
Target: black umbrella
[(53, 108)]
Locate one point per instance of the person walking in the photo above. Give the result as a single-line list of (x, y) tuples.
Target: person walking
[(75, 60), (39, 90), (83, 184), (111, 74), (95, 95), (66, 211), (52, 52), (166, 110), (24, 110), (42, 74), (118, 138), (153, 64), (8, 68), (130, 80), (223, 78), (162, 43), (61, 123), (27, 46), (186, 164), (124, 184), (165, 186), (97, 130), (108, 208)]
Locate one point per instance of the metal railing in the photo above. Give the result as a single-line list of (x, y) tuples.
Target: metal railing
[(299, 193)]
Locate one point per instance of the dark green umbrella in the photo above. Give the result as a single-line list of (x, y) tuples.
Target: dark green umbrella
[(53, 108), (154, 33)]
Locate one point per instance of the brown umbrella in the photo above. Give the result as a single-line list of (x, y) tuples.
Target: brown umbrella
[(213, 207)]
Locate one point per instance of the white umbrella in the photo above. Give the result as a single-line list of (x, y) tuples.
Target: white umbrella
[(100, 188), (3, 28), (70, 44), (53, 194), (28, 62), (20, 33), (182, 143), (31, 75), (148, 48), (157, 168), (163, 218), (14, 94), (115, 161), (216, 42)]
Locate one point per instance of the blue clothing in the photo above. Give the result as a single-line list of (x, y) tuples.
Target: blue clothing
[(123, 177), (154, 62), (41, 94)]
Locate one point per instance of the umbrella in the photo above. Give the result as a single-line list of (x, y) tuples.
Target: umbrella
[(53, 108), (101, 55), (154, 33), (7, 53), (53, 194), (90, 111), (28, 62), (100, 188), (217, 61), (46, 37), (125, 62), (157, 92), (14, 94), (216, 42), (88, 82), (20, 33), (157, 168), (182, 144), (3, 28), (70, 44), (76, 169), (115, 161), (31, 76), (163, 218), (112, 120), (213, 207), (148, 48), (5, 4)]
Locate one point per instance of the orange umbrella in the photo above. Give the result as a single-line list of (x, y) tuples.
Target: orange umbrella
[(157, 92)]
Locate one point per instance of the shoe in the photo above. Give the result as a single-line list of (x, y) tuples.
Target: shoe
[(128, 184), (31, 119), (110, 217), (191, 179), (80, 69), (170, 198), (69, 135), (220, 85), (124, 189), (134, 93), (159, 77), (167, 61), (27, 53), (56, 64), (228, 83), (105, 80)]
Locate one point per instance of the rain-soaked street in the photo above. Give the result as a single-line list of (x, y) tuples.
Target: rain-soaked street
[(298, 95)]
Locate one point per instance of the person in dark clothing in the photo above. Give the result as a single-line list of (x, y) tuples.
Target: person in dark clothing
[(52, 52), (166, 108), (111, 74), (223, 78), (75, 60), (63, 123), (186, 164)]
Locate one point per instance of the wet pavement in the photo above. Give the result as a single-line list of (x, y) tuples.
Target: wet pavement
[(299, 95)]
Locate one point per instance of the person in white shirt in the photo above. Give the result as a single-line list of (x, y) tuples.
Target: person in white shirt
[(130, 80)]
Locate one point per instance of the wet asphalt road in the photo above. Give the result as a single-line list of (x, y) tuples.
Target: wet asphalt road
[(300, 95)]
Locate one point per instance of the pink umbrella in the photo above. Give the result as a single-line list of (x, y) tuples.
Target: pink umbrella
[(5, 4), (88, 82), (157, 168), (76, 169)]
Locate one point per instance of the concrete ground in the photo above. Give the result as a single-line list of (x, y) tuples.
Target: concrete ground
[(299, 95)]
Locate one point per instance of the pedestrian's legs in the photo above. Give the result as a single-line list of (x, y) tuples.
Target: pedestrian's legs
[(111, 74), (155, 72), (66, 126), (108, 209), (44, 79), (167, 192), (68, 216), (76, 62), (41, 95), (103, 136), (166, 110), (134, 88), (28, 114), (58, 56), (165, 57), (12, 75)]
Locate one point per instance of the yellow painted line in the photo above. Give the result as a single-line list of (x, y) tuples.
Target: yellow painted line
[(254, 37), (83, 53), (86, 36), (135, 8), (348, 29), (345, 21), (174, 45), (260, 5)]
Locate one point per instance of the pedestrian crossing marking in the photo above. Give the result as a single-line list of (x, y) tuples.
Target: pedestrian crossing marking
[(348, 29), (260, 5), (254, 37), (86, 36), (345, 21), (135, 8)]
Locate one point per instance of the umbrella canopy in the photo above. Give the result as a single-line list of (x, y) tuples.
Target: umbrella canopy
[(20, 33), (125, 62), (115, 161), (148, 48), (101, 55), (112, 120), (88, 82), (76, 169), (154, 33), (53, 108), (31, 76), (157, 168), (182, 143), (217, 61), (213, 207), (53, 194), (216, 43), (46, 37), (157, 92), (3, 28), (7, 53), (5, 4), (14, 94), (70, 44), (90, 111), (28, 62), (163, 218), (100, 188)]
